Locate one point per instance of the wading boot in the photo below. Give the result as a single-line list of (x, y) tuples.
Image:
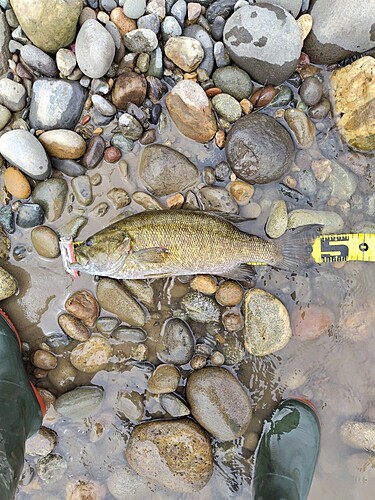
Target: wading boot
[(287, 452), (21, 408)]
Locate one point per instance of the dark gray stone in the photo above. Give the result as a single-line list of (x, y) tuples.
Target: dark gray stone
[(292, 6), (176, 342), (265, 41), (30, 215), (150, 22), (68, 167), (179, 10), (56, 104), (223, 8), (39, 61), (200, 34), (259, 149), (7, 219), (311, 91), (217, 28), (341, 28), (51, 195), (233, 81)]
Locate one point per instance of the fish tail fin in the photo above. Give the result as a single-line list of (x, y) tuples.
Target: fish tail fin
[(295, 247)]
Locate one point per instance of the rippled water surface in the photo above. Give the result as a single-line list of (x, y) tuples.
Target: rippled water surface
[(336, 371)]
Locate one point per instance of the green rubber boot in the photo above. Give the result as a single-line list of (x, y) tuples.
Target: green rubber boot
[(21, 408), (287, 452)]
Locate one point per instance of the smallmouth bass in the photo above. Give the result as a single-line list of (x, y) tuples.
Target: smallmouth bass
[(162, 243)]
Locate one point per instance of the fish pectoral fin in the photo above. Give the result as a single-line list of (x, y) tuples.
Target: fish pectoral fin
[(243, 272), (156, 255)]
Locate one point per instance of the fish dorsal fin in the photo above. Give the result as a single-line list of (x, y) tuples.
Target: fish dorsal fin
[(156, 255)]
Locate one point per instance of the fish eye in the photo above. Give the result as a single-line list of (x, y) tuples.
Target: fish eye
[(89, 243)]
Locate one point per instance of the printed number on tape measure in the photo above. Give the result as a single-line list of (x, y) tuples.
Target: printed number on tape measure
[(344, 247)]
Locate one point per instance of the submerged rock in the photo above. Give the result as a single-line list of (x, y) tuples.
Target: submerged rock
[(359, 435), (91, 356), (80, 403), (200, 308), (219, 403), (176, 342), (174, 453)]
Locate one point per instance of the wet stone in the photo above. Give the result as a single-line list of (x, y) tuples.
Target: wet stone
[(277, 221), (227, 107), (64, 144), (320, 110), (130, 127), (44, 360), (121, 142), (301, 126), (72, 228), (82, 190), (42, 443), (359, 435), (332, 221), (342, 182), (173, 405), (141, 290), (204, 283), (201, 34), (8, 284), (84, 306), (180, 456), (147, 201), (267, 323), (56, 104), (30, 215), (112, 154), (229, 294), (119, 198), (218, 199), (164, 379), (311, 91), (4, 245), (51, 468), (80, 403), (51, 196), (185, 52), (130, 406), (91, 356), (7, 218), (129, 87), (94, 153), (134, 335), (63, 376), (263, 96), (103, 106), (259, 149), (115, 299), (107, 324), (73, 327), (219, 403), (200, 308), (176, 342), (283, 97), (16, 183)]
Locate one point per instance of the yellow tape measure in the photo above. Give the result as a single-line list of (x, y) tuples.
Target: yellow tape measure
[(344, 247)]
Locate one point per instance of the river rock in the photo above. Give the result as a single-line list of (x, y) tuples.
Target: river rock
[(73, 327), (4, 43), (218, 199), (277, 221), (259, 149), (219, 403), (354, 99), (134, 9), (227, 107), (84, 306), (46, 242), (8, 285), (42, 443), (164, 171), (164, 379), (359, 435), (265, 41), (141, 290), (16, 183), (176, 342), (311, 91), (44, 360), (200, 308), (51, 196), (22, 150), (51, 468), (91, 356), (68, 167), (5, 116), (328, 41), (129, 87), (134, 335), (115, 299), (82, 190), (332, 221), (292, 6), (56, 104), (186, 53), (30, 215), (191, 111), (173, 405), (301, 126), (94, 152), (39, 61), (12, 95), (311, 322), (201, 35), (130, 127), (174, 453), (50, 24), (233, 81), (95, 49), (64, 144), (4, 245), (342, 182), (140, 40), (80, 403), (103, 106), (267, 323)]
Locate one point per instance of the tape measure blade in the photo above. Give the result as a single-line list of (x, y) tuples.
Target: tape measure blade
[(344, 247)]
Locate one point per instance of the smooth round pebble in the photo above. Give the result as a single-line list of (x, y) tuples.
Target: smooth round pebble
[(176, 342), (16, 183), (84, 306), (164, 379), (229, 294), (44, 360), (73, 327), (45, 242), (91, 356)]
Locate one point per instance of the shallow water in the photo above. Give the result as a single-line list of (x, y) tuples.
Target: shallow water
[(335, 371)]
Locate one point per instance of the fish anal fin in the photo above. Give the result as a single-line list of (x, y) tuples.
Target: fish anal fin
[(242, 272), (155, 255)]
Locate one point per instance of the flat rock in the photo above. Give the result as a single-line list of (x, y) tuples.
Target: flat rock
[(176, 342), (12, 94), (174, 453), (80, 403), (265, 41), (267, 323), (191, 111), (353, 90), (329, 40), (22, 150), (115, 299), (95, 49), (4, 44), (164, 171), (259, 149), (51, 196), (91, 356), (219, 403), (49, 24), (56, 104), (218, 199), (332, 221)]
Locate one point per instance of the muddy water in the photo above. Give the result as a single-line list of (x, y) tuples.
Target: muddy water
[(335, 371)]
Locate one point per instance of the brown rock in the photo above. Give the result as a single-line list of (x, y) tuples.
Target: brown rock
[(94, 153), (185, 52), (229, 294), (64, 144), (129, 87), (112, 154), (164, 379), (191, 111), (73, 327), (123, 23), (84, 306), (241, 191), (16, 183), (213, 91), (204, 283), (174, 453), (353, 89), (44, 360), (148, 137), (91, 356), (262, 97), (311, 322)]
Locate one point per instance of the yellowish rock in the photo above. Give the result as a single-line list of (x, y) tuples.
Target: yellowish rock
[(8, 285), (241, 191), (16, 183), (305, 23), (353, 90), (64, 144), (204, 283)]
